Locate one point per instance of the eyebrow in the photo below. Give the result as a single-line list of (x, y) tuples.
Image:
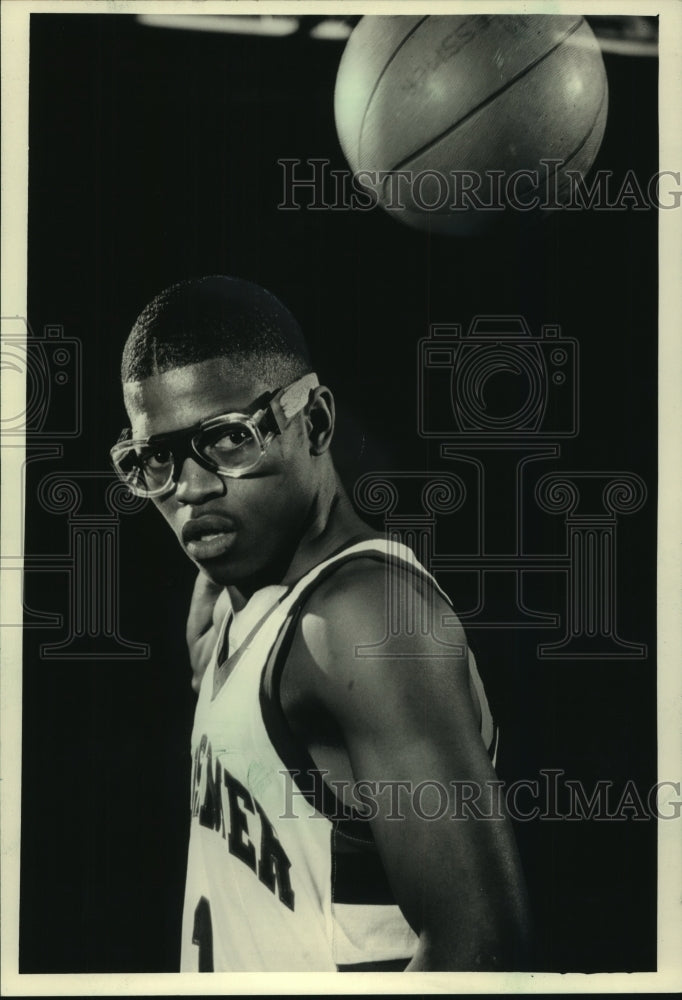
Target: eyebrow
[(258, 404)]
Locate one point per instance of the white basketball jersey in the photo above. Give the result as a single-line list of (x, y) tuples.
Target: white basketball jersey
[(280, 877)]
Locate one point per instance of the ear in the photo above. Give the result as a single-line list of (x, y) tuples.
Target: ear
[(320, 419)]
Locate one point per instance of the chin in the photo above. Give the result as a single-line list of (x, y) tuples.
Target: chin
[(248, 568), (219, 573), (239, 573)]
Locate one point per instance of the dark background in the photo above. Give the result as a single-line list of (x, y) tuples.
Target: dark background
[(153, 157)]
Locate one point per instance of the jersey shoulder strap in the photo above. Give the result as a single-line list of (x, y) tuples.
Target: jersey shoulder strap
[(293, 753)]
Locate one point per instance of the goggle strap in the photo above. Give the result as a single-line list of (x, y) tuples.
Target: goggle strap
[(295, 397), (268, 424)]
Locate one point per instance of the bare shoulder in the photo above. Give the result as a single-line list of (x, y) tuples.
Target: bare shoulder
[(375, 636), (370, 598)]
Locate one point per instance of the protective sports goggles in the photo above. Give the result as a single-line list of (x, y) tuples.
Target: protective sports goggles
[(230, 444)]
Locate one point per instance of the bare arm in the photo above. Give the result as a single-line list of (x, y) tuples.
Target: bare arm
[(407, 715)]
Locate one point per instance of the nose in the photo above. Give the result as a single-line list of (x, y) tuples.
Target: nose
[(196, 485)]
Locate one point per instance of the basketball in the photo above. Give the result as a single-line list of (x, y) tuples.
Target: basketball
[(455, 121)]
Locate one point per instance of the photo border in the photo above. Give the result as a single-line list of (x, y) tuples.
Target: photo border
[(668, 978)]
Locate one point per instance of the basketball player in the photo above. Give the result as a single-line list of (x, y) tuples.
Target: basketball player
[(330, 748)]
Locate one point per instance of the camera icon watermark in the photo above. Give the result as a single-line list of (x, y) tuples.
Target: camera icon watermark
[(498, 401), (497, 381), (44, 374), (42, 410)]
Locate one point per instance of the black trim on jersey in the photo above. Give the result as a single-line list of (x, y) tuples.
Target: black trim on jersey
[(308, 779), (494, 742), (348, 822), (304, 772), (359, 877), (385, 965), (222, 651), (222, 671)]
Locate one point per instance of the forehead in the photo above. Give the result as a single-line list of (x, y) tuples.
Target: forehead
[(184, 396)]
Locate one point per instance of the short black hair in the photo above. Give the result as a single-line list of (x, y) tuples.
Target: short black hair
[(215, 317)]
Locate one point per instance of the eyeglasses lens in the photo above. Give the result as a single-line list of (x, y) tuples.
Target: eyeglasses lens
[(231, 448), (147, 471)]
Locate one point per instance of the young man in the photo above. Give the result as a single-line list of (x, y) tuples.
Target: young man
[(332, 751)]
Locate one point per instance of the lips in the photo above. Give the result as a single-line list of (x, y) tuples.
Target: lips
[(208, 536)]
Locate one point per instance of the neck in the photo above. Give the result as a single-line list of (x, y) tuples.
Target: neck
[(330, 524)]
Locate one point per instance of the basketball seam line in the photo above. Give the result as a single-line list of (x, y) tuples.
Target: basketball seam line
[(491, 97), (572, 155), (409, 35), (574, 152)]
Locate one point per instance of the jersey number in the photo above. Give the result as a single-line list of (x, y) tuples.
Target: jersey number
[(203, 935)]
